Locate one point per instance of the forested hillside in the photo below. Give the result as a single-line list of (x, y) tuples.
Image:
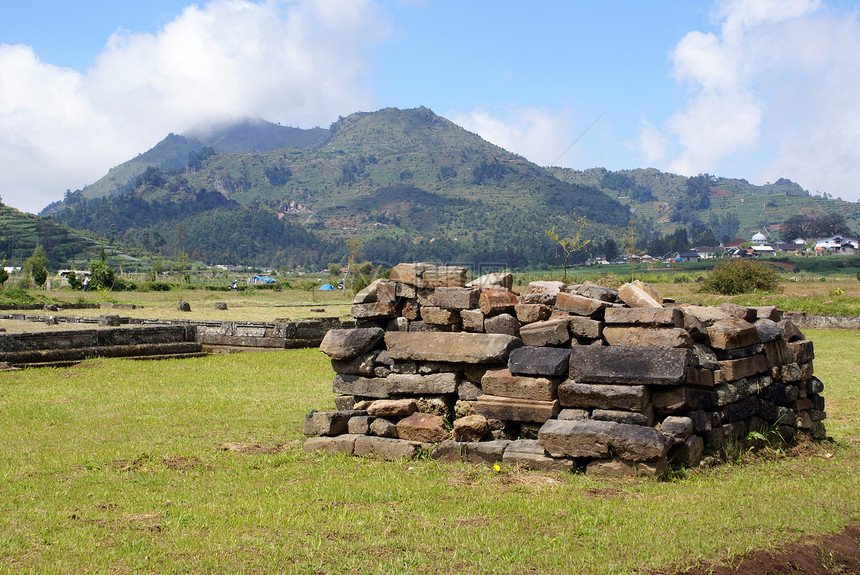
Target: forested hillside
[(411, 185)]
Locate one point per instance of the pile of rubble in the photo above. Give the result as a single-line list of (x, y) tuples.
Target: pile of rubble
[(561, 377)]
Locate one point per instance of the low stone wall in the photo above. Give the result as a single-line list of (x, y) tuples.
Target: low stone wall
[(560, 377), (206, 335), (804, 321), (72, 346)]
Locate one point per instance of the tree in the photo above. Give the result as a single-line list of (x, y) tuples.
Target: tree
[(571, 245), (610, 249), (628, 239), (354, 246), (4, 275), (36, 266)]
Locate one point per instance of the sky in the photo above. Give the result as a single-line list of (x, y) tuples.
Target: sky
[(753, 89)]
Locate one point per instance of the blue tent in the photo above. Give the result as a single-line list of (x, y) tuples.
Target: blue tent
[(326, 287), (258, 279)]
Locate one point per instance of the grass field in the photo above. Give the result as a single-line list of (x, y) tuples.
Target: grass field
[(118, 466)]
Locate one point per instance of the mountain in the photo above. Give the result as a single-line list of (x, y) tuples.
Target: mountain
[(65, 248), (410, 183), (412, 186), (663, 202)]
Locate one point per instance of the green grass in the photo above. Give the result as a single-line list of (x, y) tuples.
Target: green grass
[(114, 466)]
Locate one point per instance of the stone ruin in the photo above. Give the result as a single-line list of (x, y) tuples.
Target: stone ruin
[(561, 377)]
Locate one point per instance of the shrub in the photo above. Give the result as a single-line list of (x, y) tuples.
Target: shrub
[(741, 276), (681, 279)]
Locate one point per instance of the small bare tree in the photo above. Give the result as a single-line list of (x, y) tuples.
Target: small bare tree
[(571, 245)]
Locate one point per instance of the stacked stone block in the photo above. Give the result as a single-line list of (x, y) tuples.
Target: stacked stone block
[(560, 377)]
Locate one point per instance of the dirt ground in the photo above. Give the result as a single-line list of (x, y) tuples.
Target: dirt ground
[(836, 553)]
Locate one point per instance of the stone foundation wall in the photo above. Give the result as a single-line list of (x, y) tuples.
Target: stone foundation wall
[(559, 377)]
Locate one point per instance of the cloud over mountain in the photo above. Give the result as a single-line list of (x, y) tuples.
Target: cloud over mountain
[(294, 63)]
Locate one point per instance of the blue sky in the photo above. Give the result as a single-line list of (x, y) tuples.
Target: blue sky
[(755, 89)]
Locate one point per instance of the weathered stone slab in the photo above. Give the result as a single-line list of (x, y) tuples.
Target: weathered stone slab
[(503, 323), (551, 288), (573, 414), (705, 314), (451, 347), (739, 352), (585, 327), (802, 351), (483, 452), (381, 427), (732, 333), (700, 377), (328, 422), (580, 305), (395, 384), (689, 452), (385, 448), (743, 312), (422, 427), (455, 297), (591, 438), (367, 294), (778, 352), (349, 343), (470, 428), (768, 330), (494, 301), (602, 396), (733, 369), (645, 417), (411, 309), (529, 454), (582, 438), (392, 407), (472, 319), (636, 296), (546, 361), (340, 444), (511, 409), (740, 389), (683, 399), (637, 443), (769, 312), (635, 336), (496, 279), (592, 290), (545, 333), (373, 310), (386, 291), (792, 332), (650, 316), (677, 429), (628, 365), (539, 298), (426, 275), (532, 312), (439, 316), (740, 410), (704, 357), (502, 383), (616, 467), (361, 365), (359, 425)]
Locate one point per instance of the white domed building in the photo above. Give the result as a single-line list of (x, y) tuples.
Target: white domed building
[(759, 239)]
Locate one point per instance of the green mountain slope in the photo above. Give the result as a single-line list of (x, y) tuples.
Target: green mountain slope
[(20, 232), (405, 178), (660, 202), (412, 185)]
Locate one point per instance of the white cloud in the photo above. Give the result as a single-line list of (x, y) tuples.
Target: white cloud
[(780, 83), (652, 143), (536, 134), (297, 62)]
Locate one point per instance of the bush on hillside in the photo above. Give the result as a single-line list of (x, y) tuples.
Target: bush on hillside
[(737, 276)]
